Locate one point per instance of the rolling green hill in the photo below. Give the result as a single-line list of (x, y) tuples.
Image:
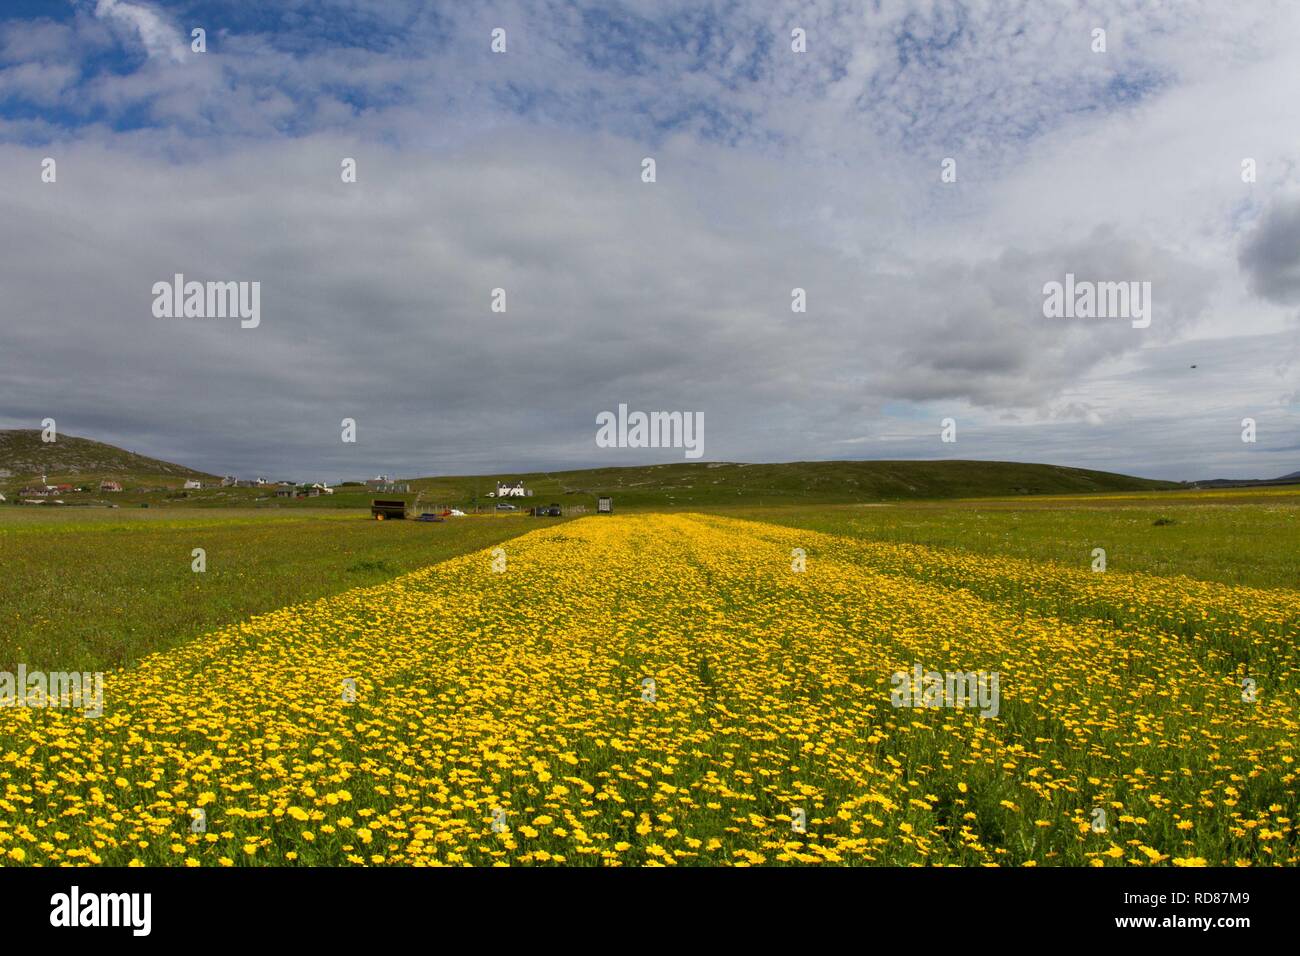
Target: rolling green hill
[(23, 456), (699, 484)]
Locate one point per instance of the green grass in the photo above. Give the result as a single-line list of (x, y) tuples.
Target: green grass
[(93, 589), (720, 484), (1241, 537)]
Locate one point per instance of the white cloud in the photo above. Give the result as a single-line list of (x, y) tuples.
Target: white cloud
[(158, 37)]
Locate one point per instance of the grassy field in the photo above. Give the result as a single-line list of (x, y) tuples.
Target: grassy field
[(96, 589), (665, 689), (675, 690), (1239, 537)]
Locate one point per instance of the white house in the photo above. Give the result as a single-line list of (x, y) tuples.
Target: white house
[(193, 484), (511, 491), (382, 483)]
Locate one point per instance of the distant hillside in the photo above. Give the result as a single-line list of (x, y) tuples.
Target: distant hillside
[(1291, 479), (23, 455), (708, 483)]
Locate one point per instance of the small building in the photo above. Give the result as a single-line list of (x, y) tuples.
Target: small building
[(110, 486), (284, 492), (229, 481), (604, 505), (516, 490), (193, 484)]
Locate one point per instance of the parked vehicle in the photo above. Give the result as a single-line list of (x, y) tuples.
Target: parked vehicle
[(502, 506), (387, 509)]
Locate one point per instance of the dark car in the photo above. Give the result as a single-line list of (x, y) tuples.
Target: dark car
[(554, 511)]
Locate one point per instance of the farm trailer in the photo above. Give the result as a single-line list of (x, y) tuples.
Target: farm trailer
[(387, 509)]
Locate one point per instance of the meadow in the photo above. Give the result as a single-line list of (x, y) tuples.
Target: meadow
[(87, 588), (678, 689), (98, 588), (1249, 537)]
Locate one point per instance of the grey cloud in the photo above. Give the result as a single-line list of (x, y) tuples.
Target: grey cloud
[(924, 300), (1270, 255), (375, 306)]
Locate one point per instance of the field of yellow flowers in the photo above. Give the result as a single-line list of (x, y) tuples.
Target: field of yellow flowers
[(688, 689)]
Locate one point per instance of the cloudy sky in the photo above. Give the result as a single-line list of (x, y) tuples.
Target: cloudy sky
[(774, 170)]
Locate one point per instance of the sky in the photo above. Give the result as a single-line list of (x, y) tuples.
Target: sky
[(921, 170)]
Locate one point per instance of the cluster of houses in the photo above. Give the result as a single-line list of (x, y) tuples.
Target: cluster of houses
[(283, 489), (230, 481), (46, 490), (43, 492), (384, 483), (303, 491)]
